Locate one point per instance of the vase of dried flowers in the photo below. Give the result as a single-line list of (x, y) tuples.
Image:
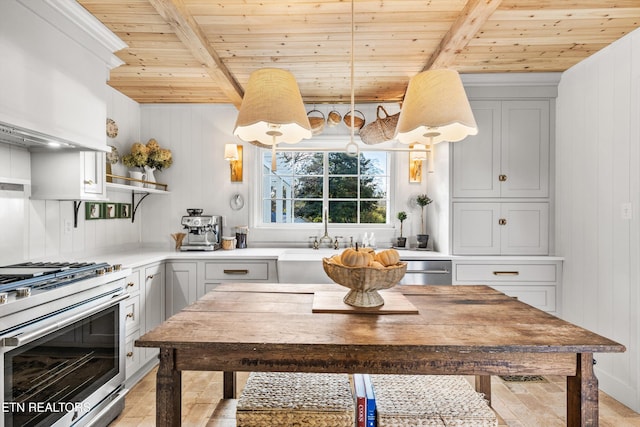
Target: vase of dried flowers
[(149, 157)]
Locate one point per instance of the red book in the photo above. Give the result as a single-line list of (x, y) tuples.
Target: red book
[(361, 400)]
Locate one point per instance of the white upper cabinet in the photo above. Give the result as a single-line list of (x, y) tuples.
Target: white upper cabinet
[(510, 155), (68, 175)]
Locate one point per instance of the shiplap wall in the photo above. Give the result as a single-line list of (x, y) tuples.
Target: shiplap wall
[(598, 171), (35, 229), (199, 178)]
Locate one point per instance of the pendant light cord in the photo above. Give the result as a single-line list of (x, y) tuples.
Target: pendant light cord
[(352, 148), (353, 103)]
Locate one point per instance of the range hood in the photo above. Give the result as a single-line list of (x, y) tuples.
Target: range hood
[(34, 140)]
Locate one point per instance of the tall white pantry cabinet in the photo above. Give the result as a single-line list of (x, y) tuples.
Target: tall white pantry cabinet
[(500, 180), (502, 196)]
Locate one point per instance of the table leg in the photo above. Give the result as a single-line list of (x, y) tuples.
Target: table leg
[(168, 391), (228, 385), (582, 394), (483, 385)]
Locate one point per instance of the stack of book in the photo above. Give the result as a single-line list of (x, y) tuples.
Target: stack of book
[(365, 401)]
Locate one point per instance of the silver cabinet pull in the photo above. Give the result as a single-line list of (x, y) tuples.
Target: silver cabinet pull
[(506, 273), (502, 221), (130, 315), (130, 354), (236, 271), (130, 285), (149, 277), (502, 178)]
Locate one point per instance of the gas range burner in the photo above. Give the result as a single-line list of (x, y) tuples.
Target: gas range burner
[(45, 275)]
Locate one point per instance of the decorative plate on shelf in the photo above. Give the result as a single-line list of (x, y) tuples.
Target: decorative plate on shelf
[(112, 128)]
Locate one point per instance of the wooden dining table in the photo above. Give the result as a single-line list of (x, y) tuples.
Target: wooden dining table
[(436, 330)]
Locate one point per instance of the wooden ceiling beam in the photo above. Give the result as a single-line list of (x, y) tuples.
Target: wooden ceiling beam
[(473, 16), (188, 31)]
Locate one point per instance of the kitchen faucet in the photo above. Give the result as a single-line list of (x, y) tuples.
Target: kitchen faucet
[(326, 237)]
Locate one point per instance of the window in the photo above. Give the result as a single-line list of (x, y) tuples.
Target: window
[(353, 190)]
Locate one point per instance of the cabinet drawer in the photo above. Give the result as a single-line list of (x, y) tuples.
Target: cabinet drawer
[(482, 273), (237, 271), (132, 313), (132, 353), (540, 297), (132, 282)]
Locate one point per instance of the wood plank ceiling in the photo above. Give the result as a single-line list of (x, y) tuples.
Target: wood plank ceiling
[(202, 51)]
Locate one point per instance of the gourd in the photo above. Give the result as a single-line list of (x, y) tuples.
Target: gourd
[(336, 259), (356, 258), (376, 264), (388, 257)]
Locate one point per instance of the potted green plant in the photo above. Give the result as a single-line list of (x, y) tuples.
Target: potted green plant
[(422, 200), (402, 241)]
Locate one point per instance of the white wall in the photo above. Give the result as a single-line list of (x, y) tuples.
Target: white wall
[(199, 177), (33, 229), (598, 172)]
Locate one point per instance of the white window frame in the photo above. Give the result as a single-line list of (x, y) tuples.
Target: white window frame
[(257, 183)]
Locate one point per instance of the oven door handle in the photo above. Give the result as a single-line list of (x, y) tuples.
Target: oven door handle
[(26, 337)]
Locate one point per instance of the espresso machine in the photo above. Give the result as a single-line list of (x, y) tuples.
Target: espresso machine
[(204, 232)]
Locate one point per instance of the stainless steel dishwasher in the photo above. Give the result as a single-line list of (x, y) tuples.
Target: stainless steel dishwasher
[(427, 272)]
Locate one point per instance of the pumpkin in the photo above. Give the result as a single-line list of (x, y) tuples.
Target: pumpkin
[(336, 259), (376, 264), (388, 257), (355, 258)]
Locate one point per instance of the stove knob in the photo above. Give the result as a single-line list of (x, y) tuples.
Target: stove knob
[(23, 292), (4, 297), (100, 272), (117, 267), (108, 269)]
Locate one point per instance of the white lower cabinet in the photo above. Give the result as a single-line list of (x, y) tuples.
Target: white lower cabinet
[(153, 305), (133, 354), (535, 282), (181, 285), (132, 322), (500, 228), (248, 270)]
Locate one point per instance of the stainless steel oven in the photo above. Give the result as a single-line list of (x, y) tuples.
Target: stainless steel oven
[(62, 352)]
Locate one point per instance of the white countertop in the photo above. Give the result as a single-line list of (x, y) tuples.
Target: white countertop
[(138, 256)]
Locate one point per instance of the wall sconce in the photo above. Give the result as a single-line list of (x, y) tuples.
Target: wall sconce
[(417, 155), (233, 154)]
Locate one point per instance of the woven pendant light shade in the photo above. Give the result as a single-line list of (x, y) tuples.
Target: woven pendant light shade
[(435, 109), (272, 106)]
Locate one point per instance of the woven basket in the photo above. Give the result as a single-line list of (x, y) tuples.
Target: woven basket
[(334, 118), (382, 129), (316, 122), (358, 122), (429, 400), (364, 282), (296, 399)]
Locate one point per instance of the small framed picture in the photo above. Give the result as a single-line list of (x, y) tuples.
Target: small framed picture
[(94, 210), (124, 210), (110, 210)]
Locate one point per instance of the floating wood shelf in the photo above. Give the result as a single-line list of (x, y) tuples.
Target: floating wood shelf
[(142, 192), (159, 186)]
